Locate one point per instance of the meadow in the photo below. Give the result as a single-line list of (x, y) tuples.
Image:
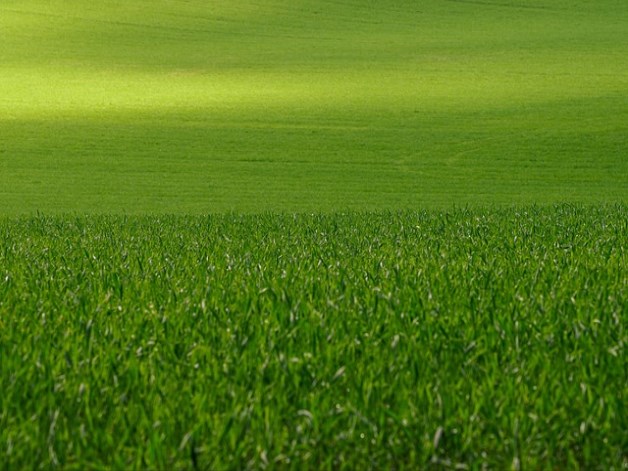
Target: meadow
[(463, 339), (265, 105), (325, 234)]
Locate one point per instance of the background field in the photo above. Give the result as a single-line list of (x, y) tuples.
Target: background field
[(196, 106)]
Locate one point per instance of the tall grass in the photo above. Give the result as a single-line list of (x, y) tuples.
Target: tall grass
[(463, 339)]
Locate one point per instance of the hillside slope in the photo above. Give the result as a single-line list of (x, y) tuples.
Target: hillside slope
[(194, 106)]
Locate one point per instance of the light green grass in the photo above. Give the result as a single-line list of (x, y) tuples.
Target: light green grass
[(170, 106), (397, 340)]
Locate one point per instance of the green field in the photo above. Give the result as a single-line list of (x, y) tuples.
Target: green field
[(396, 340), (331, 234), (197, 106)]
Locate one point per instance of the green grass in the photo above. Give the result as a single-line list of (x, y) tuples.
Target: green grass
[(232, 234), (464, 338), (261, 105)]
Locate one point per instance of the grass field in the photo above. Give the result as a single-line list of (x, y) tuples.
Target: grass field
[(196, 106), (417, 339), (313, 234)]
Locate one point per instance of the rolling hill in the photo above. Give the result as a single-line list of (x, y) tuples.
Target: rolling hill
[(195, 106)]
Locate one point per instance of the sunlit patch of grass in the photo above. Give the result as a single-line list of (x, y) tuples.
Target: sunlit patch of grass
[(392, 105)]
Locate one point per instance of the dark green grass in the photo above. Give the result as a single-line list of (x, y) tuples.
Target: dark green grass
[(360, 340)]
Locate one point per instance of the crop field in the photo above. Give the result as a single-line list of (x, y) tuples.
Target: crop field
[(361, 340), (267, 105), (316, 234)]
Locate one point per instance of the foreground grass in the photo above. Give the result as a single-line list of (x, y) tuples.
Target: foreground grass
[(463, 338)]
